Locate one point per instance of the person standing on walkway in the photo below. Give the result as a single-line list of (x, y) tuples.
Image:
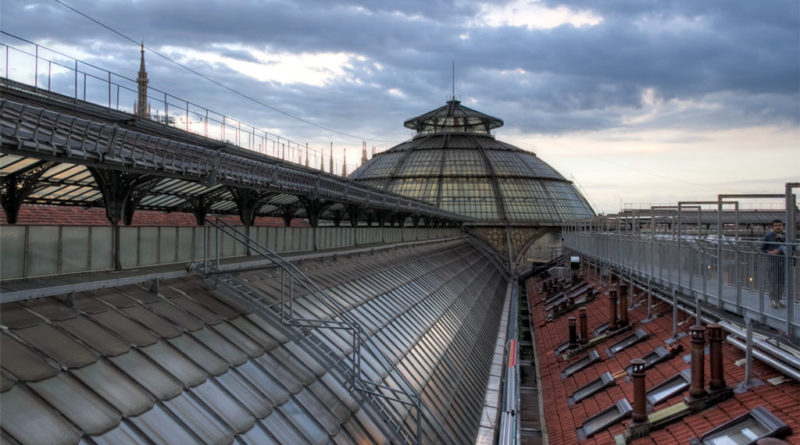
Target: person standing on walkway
[(775, 248)]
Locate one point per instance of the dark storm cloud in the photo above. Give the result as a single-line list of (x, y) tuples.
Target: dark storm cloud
[(741, 55)]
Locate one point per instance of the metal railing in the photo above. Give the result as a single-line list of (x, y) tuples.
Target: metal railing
[(54, 71), (295, 282), (717, 268)]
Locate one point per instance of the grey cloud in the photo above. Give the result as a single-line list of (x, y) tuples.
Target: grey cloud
[(565, 79)]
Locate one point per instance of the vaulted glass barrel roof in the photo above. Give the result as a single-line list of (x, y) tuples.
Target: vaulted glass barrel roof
[(455, 162)]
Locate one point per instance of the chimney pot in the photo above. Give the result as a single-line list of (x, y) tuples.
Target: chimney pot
[(623, 305), (639, 414), (573, 335), (715, 338), (612, 310), (698, 340), (584, 327)]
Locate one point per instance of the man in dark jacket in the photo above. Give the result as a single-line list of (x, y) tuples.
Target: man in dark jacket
[(775, 248)]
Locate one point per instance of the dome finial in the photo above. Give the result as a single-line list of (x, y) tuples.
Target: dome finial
[(454, 80)]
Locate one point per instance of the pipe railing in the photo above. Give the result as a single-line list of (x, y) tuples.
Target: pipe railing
[(721, 271), (53, 71)]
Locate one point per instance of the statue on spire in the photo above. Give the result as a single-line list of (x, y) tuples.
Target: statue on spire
[(141, 108)]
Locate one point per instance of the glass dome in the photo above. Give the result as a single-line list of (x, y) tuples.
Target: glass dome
[(454, 162)]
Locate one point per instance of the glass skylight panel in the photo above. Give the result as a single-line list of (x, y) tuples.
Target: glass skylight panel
[(651, 359), (224, 406), (144, 372), (582, 363), (592, 388), (668, 388), (746, 429), (263, 382), (610, 416), (115, 388), (161, 427), (630, 340), (77, 403), (243, 392)]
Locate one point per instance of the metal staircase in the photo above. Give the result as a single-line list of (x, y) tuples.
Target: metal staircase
[(381, 397)]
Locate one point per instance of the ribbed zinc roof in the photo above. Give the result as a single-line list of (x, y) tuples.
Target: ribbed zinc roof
[(454, 162)]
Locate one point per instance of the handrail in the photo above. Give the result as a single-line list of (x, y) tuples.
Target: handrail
[(191, 116), (349, 322), (728, 274)]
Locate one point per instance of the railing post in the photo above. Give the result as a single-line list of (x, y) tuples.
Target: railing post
[(790, 269), (719, 252), (205, 247), (217, 232)]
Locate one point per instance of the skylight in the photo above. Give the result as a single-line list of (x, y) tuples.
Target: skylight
[(746, 429), (628, 341), (584, 362), (657, 356), (592, 388), (620, 410), (668, 388)]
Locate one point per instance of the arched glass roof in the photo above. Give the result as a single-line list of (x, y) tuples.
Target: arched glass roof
[(455, 163)]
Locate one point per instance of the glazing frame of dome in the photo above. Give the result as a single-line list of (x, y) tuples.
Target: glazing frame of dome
[(454, 162)]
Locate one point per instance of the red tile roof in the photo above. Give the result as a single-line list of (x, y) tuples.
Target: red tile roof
[(45, 215), (562, 421)]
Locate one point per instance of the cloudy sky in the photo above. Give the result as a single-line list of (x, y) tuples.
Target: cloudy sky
[(638, 101)]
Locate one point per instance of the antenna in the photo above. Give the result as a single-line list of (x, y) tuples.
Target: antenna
[(454, 79)]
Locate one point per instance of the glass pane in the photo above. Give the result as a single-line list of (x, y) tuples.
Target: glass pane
[(198, 419), (741, 433), (219, 402), (175, 363), (113, 386), (303, 422), (119, 435), (144, 372), (160, 427), (252, 399), (264, 383), (32, 421), (282, 429)]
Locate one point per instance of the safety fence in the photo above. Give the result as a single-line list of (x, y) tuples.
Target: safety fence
[(732, 275), (34, 251)]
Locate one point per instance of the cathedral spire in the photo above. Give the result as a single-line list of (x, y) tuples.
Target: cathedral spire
[(141, 109), (363, 152), (331, 169)]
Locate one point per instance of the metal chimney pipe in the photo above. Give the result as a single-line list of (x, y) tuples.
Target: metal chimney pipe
[(715, 337), (698, 340), (639, 414), (583, 325), (623, 304), (573, 334), (612, 310)]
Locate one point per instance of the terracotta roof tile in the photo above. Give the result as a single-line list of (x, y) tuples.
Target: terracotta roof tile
[(45, 215), (563, 421)]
